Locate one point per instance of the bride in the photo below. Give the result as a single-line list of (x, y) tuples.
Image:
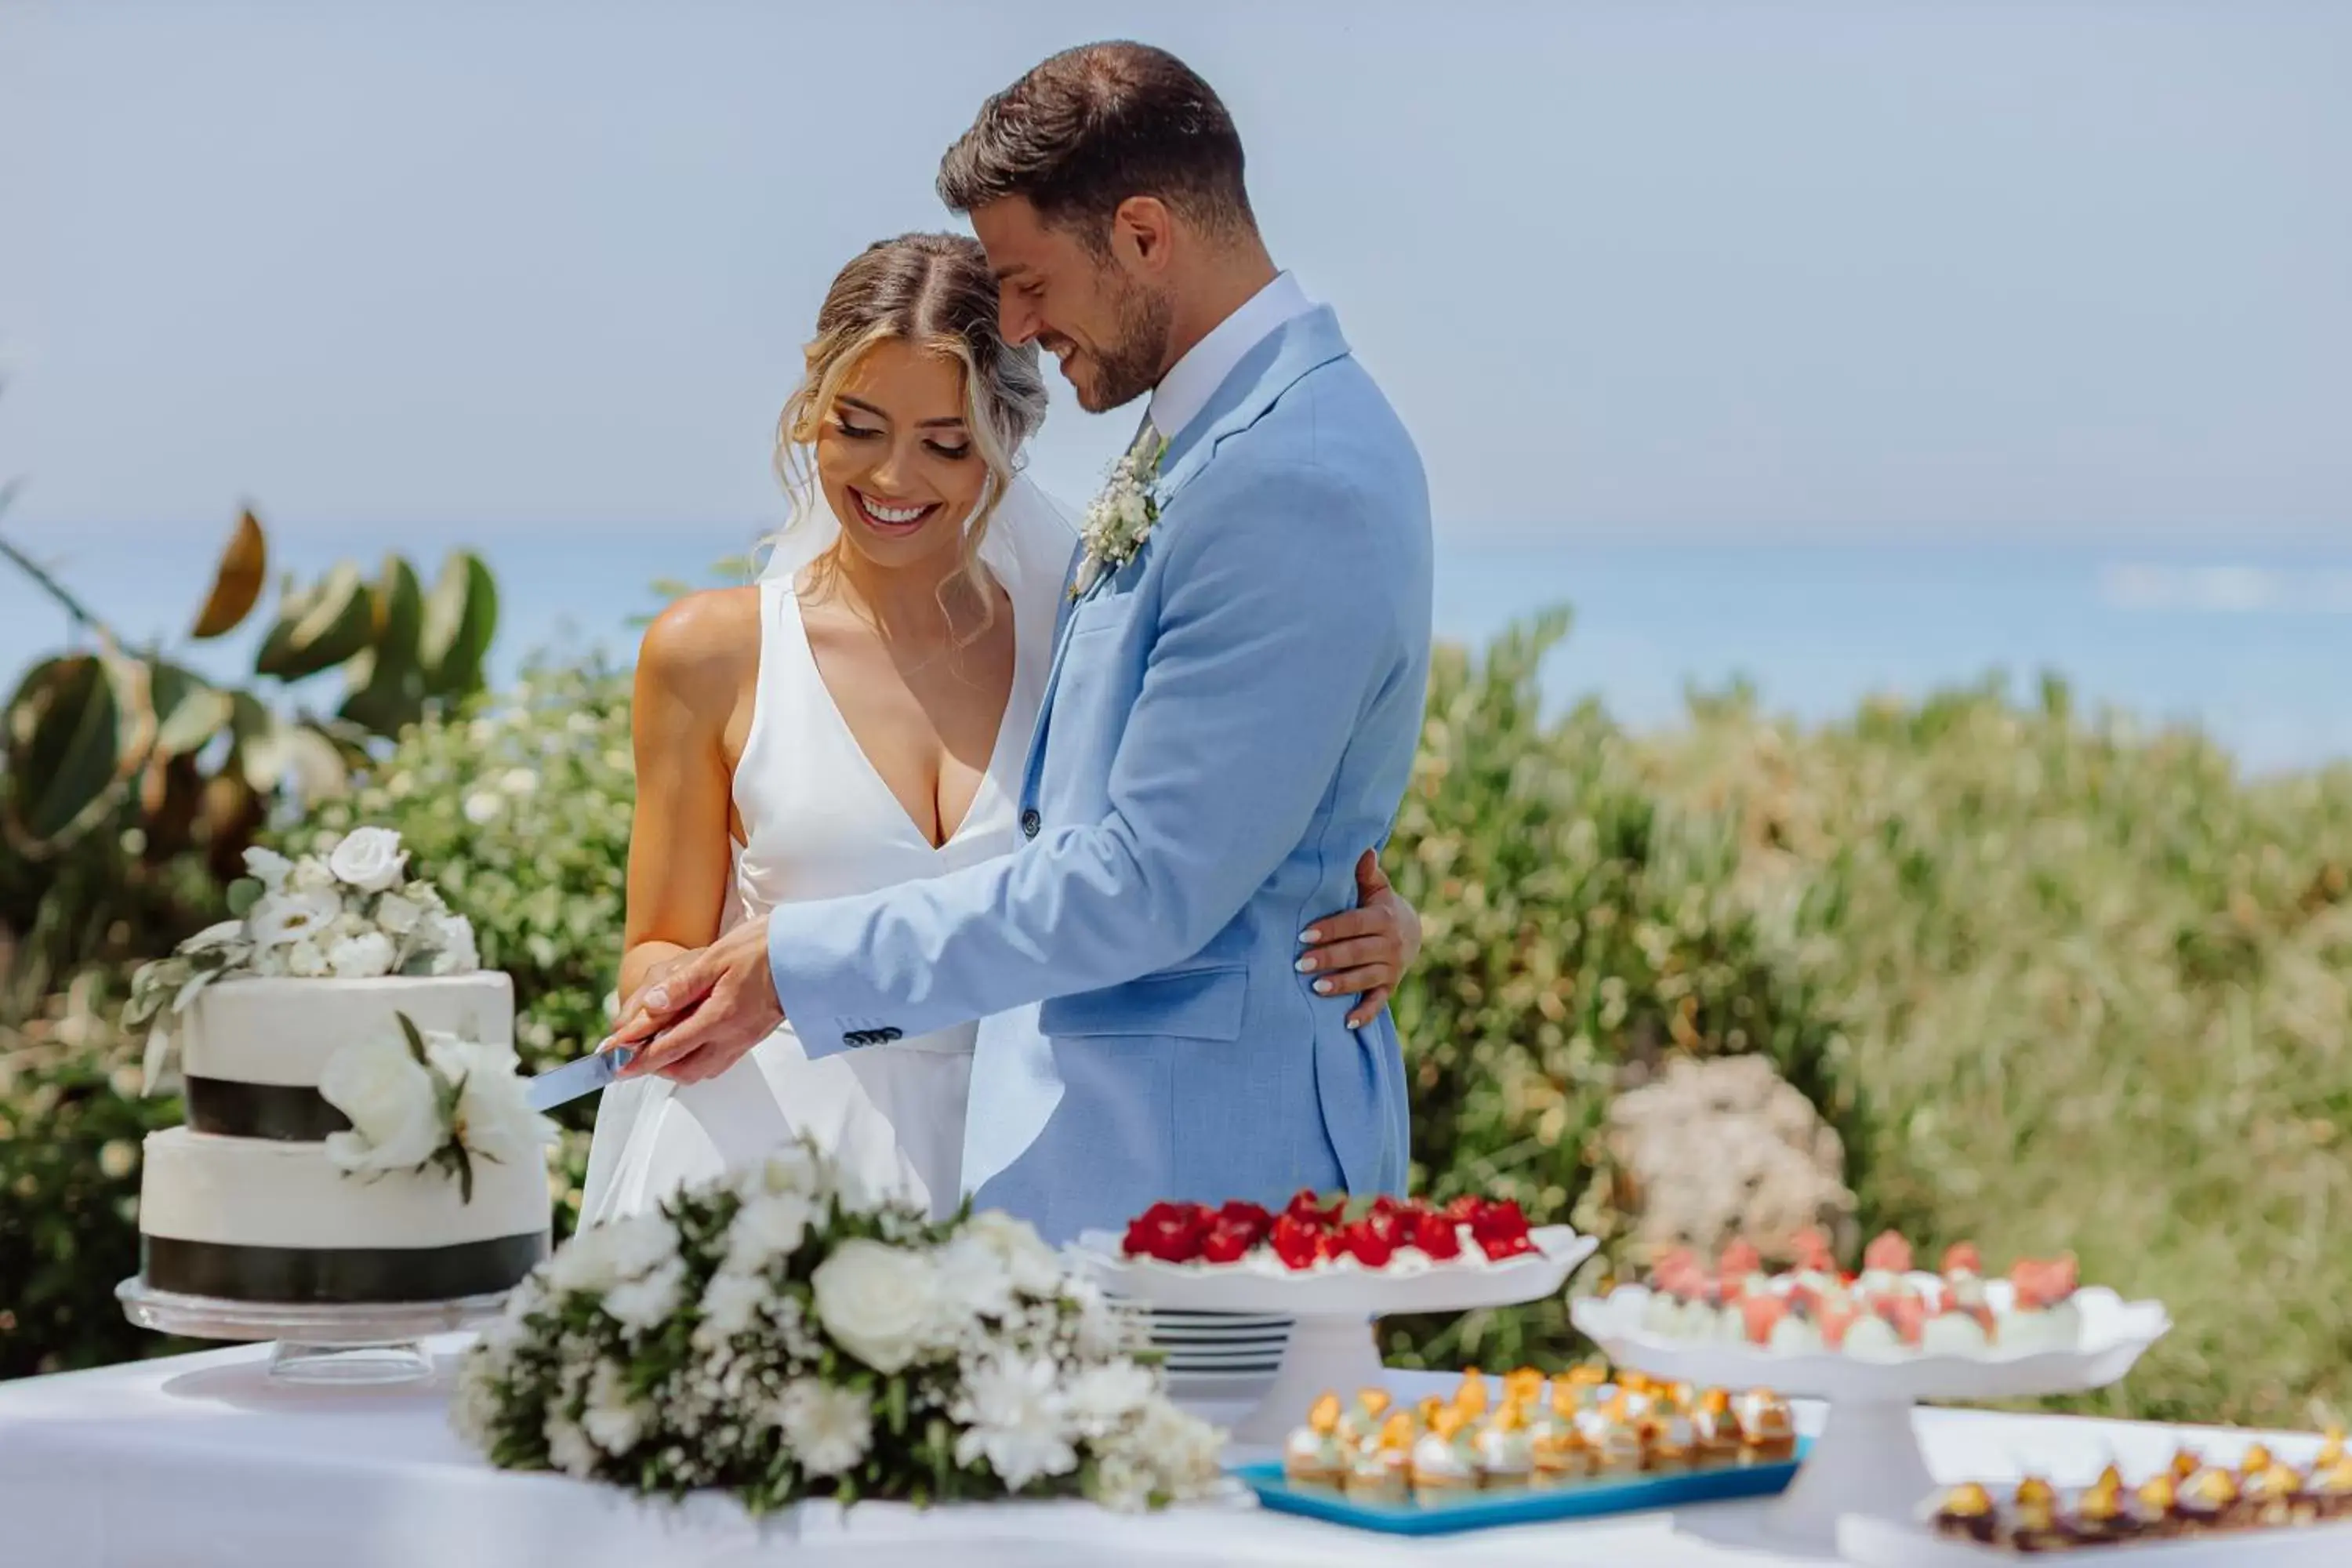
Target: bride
[(859, 718)]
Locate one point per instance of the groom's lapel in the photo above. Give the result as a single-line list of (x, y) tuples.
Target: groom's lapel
[(1299, 345), (1276, 365)]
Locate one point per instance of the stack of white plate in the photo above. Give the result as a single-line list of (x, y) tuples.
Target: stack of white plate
[(1219, 1353)]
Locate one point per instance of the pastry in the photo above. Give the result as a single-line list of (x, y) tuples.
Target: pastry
[(1314, 1454), (1768, 1429), (1442, 1458), (1967, 1512), (1379, 1471), (1504, 1448)]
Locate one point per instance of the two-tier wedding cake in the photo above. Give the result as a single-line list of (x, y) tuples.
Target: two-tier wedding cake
[(355, 1130)]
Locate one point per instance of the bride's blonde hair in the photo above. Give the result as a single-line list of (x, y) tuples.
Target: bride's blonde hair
[(937, 292)]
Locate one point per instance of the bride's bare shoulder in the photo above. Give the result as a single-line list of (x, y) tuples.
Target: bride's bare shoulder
[(702, 649)]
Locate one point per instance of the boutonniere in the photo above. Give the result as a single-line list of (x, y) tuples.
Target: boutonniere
[(1121, 518)]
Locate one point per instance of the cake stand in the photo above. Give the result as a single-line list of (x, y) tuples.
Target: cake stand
[(1867, 1460), (1332, 1305), (345, 1346)]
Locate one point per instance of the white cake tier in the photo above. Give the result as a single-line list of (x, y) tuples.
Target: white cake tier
[(255, 1192), (282, 1031)]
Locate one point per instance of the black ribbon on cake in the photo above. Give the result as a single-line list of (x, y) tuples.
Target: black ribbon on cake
[(339, 1275), (286, 1112)]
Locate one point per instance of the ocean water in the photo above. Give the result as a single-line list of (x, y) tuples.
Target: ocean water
[(2253, 647)]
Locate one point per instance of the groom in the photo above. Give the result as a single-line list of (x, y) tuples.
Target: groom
[(1235, 699)]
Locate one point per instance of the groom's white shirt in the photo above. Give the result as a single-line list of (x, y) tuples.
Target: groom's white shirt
[(1192, 381)]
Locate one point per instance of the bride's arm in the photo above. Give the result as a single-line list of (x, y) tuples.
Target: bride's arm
[(693, 669)]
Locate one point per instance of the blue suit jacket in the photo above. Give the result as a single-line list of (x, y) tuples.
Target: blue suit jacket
[(1231, 722)]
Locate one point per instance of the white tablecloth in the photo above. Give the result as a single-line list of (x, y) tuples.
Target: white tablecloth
[(201, 1460)]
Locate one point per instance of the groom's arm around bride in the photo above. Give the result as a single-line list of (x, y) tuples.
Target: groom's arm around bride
[(1231, 719)]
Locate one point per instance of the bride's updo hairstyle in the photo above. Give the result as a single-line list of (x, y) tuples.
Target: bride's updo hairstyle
[(937, 292)]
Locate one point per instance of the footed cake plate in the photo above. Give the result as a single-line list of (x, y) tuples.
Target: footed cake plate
[(345, 1345), (1334, 1304), (1867, 1461)]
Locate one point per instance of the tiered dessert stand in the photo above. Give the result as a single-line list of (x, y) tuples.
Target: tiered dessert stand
[(343, 1346), (1867, 1461), (1333, 1305)]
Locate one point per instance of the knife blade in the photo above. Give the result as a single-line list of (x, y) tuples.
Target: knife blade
[(573, 1078)]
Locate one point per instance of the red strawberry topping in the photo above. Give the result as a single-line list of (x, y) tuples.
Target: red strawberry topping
[(1172, 1232)]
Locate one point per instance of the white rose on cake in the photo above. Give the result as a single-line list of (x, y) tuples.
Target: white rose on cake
[(361, 957), (305, 960), (496, 1119), (879, 1303), (397, 915), (393, 1102), (368, 859)]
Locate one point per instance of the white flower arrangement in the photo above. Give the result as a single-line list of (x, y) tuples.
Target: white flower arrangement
[(419, 1099), (1122, 516), (781, 1335), (345, 912)]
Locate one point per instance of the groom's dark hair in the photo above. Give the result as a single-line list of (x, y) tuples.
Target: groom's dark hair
[(1091, 127)]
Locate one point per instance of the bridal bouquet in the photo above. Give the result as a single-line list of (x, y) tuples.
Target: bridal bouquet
[(346, 912), (782, 1335)]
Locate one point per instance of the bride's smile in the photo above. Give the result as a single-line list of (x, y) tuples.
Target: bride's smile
[(896, 455)]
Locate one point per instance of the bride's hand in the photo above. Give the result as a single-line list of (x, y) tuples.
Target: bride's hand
[(1365, 950)]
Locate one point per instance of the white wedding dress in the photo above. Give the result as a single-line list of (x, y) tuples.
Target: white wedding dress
[(819, 823)]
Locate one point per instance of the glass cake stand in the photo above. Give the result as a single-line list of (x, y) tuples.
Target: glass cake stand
[(343, 1346)]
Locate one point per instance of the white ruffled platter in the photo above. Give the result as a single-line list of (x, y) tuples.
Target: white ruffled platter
[(1410, 1284), (1330, 1345), (1867, 1462), (2114, 1334), (1904, 1543)]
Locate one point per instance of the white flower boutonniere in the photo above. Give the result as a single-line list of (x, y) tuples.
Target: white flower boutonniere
[(1121, 518)]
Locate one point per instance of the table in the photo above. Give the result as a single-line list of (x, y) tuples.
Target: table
[(201, 1460)]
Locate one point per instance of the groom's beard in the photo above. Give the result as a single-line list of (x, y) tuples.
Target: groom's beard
[(1126, 370)]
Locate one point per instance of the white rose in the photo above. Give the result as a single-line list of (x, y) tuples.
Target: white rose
[(369, 858), (394, 1111), (281, 920), (305, 960), (311, 875), (1035, 1266), (266, 866), (397, 915), (768, 1227), (362, 957), (879, 1303), (973, 1282), (267, 964)]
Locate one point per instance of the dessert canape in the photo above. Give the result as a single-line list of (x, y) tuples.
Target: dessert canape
[(1583, 1386), (1525, 1386), (1673, 1439), (2153, 1503), (1442, 1459), (1957, 1329), (1470, 1396), (1378, 1471), (2102, 1513), (2273, 1495), (2207, 1500), (1504, 1448), (1620, 1441), (1885, 1264), (1558, 1447), (1720, 1438), (1360, 1422), (2034, 1524), (1314, 1454), (1768, 1429), (2330, 1487), (2044, 1316), (1966, 1512)]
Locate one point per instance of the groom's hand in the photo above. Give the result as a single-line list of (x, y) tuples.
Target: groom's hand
[(696, 1020)]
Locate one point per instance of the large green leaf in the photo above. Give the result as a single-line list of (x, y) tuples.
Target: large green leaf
[(461, 615), (79, 729), (321, 628), (387, 686)]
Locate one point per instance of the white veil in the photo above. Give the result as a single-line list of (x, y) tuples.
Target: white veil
[(1028, 549)]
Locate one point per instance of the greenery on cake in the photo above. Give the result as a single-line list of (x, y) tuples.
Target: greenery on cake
[(347, 910), (784, 1333), (420, 1100)]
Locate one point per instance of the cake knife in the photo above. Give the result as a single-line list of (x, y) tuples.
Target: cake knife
[(574, 1078)]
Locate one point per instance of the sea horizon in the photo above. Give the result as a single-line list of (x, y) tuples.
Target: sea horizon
[(2246, 643)]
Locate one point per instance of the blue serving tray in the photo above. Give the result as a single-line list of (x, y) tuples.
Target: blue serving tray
[(1583, 1499)]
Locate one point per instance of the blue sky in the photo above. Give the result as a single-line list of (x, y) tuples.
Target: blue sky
[(1847, 272)]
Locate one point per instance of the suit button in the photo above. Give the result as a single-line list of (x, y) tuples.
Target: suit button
[(885, 1036), (1030, 823), (854, 1037)]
